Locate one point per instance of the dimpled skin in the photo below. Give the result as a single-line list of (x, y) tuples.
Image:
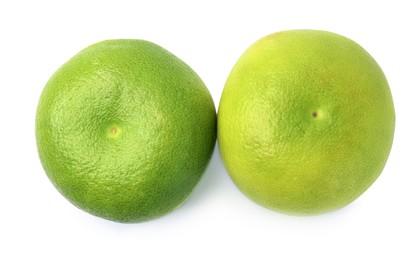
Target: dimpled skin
[(125, 130), (305, 122)]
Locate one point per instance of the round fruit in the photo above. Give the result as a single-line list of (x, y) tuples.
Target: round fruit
[(306, 121), (125, 130)]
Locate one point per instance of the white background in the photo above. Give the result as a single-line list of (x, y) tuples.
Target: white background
[(217, 222)]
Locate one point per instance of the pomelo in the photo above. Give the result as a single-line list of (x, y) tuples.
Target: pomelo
[(125, 130), (305, 122)]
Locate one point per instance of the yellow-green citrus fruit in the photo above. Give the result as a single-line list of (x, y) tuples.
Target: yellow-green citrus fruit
[(125, 130), (305, 122)]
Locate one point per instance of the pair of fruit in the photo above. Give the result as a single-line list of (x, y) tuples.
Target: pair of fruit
[(125, 129)]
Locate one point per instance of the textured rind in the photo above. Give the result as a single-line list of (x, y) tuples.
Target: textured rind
[(125, 130), (306, 121)]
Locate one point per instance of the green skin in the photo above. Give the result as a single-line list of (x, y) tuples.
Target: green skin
[(306, 122), (125, 130)]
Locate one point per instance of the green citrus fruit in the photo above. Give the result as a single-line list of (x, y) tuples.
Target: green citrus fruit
[(305, 122), (125, 130)]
